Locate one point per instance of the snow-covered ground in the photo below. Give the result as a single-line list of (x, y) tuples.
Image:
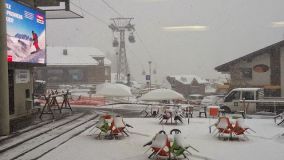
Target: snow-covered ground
[(266, 143)]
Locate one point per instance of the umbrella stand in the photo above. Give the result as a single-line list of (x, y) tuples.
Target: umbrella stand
[(188, 119)]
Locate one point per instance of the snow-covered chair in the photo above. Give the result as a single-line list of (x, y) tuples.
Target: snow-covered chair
[(162, 110), (146, 111), (118, 126), (281, 116), (155, 111), (179, 148), (188, 111), (160, 145), (165, 117), (108, 118), (224, 126), (103, 126), (177, 115), (241, 128)]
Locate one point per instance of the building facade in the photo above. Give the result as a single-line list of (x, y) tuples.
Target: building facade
[(263, 68), (74, 66), (20, 94), (187, 84)]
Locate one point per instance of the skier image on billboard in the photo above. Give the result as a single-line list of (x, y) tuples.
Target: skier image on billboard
[(25, 34)]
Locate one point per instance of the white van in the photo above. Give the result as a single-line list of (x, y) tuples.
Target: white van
[(233, 101)]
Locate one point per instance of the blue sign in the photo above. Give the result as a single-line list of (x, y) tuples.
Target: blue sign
[(25, 33), (148, 77)]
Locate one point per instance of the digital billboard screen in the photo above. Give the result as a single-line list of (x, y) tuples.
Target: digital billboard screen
[(25, 34)]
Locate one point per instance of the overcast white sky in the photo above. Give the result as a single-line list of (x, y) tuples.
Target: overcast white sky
[(235, 28)]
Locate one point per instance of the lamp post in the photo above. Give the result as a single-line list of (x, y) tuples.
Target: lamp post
[(150, 75), (4, 96)]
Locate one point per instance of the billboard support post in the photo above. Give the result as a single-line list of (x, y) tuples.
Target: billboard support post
[(4, 96)]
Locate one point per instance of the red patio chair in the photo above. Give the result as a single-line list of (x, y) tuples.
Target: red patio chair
[(241, 128), (224, 126), (160, 145), (118, 127)]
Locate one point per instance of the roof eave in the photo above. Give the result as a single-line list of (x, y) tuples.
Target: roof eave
[(225, 67)]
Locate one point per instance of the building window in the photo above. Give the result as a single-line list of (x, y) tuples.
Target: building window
[(246, 73), (75, 75), (248, 95), (235, 95), (55, 75), (272, 92)]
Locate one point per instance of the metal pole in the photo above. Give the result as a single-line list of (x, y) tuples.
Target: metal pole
[(67, 5), (121, 54), (4, 94), (117, 67), (150, 73), (274, 108), (121, 46)]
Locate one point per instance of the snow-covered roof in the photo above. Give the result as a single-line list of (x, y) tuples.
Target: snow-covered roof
[(246, 89), (107, 62), (75, 56), (187, 79)]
